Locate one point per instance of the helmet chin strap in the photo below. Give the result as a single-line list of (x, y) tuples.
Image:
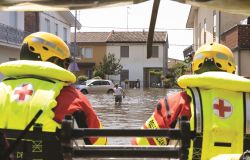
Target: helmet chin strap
[(208, 65)]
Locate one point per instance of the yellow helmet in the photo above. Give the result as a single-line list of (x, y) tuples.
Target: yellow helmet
[(213, 57), (45, 46)]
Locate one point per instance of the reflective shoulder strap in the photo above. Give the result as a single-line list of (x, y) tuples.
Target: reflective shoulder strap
[(197, 110), (198, 123), (246, 105)]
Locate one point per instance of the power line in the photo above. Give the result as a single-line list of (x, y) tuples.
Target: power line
[(180, 45), (102, 27)]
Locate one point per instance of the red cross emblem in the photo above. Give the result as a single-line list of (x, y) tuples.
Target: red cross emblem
[(222, 108), (23, 92)]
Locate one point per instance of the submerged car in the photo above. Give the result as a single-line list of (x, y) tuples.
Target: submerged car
[(96, 86)]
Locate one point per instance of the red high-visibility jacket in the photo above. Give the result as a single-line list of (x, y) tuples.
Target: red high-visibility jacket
[(165, 115), (71, 100)]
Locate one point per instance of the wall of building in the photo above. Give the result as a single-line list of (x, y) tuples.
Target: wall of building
[(5, 18), (31, 20), (98, 54), (244, 63), (137, 59), (208, 15), (224, 21), (7, 52), (55, 18)]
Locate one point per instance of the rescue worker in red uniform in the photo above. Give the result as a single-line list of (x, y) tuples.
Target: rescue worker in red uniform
[(214, 99), (40, 80)]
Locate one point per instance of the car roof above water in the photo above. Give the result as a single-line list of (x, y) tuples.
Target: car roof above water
[(92, 80)]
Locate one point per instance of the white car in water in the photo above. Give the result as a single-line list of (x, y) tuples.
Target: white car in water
[(96, 86)]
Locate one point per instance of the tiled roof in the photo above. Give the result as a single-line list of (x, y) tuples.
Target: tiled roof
[(118, 37), (90, 36)]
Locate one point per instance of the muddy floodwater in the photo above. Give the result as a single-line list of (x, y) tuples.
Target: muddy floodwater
[(136, 108)]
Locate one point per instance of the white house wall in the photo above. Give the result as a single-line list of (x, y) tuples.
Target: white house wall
[(208, 14), (5, 19), (10, 51), (54, 17), (137, 59), (7, 53), (244, 62)]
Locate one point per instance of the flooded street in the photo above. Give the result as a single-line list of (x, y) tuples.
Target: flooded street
[(135, 109)]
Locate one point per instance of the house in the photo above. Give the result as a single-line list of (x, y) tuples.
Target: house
[(131, 49), (226, 28), (15, 26), (237, 39), (11, 35), (58, 23), (91, 50)]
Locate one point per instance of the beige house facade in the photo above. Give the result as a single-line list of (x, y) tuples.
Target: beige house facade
[(91, 48)]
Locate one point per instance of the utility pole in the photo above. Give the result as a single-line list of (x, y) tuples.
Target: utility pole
[(127, 17), (75, 35), (75, 49)]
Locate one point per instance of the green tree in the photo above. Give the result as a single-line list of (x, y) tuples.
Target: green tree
[(98, 72), (174, 73), (109, 65), (81, 78)]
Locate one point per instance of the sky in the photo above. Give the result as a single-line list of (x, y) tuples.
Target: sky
[(172, 17)]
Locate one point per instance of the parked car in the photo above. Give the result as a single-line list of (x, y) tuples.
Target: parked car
[(96, 86)]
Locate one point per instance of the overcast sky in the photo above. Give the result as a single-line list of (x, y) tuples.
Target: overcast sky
[(172, 17)]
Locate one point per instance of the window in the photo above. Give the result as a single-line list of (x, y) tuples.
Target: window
[(87, 52), (205, 31), (13, 19), (155, 51), (47, 25), (214, 26), (105, 83), (65, 37), (124, 51), (97, 83), (56, 29), (124, 75), (199, 34)]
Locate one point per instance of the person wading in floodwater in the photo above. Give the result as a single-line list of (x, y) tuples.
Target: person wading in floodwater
[(119, 94)]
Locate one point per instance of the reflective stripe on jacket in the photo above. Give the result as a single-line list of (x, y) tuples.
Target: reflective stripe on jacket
[(165, 115), (156, 121)]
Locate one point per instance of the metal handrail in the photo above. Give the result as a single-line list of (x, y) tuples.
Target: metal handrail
[(67, 134)]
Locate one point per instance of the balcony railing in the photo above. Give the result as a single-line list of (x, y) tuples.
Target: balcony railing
[(11, 35)]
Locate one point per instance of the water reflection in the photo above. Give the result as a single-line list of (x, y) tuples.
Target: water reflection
[(135, 109)]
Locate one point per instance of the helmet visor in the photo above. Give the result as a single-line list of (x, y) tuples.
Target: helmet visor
[(221, 60)]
